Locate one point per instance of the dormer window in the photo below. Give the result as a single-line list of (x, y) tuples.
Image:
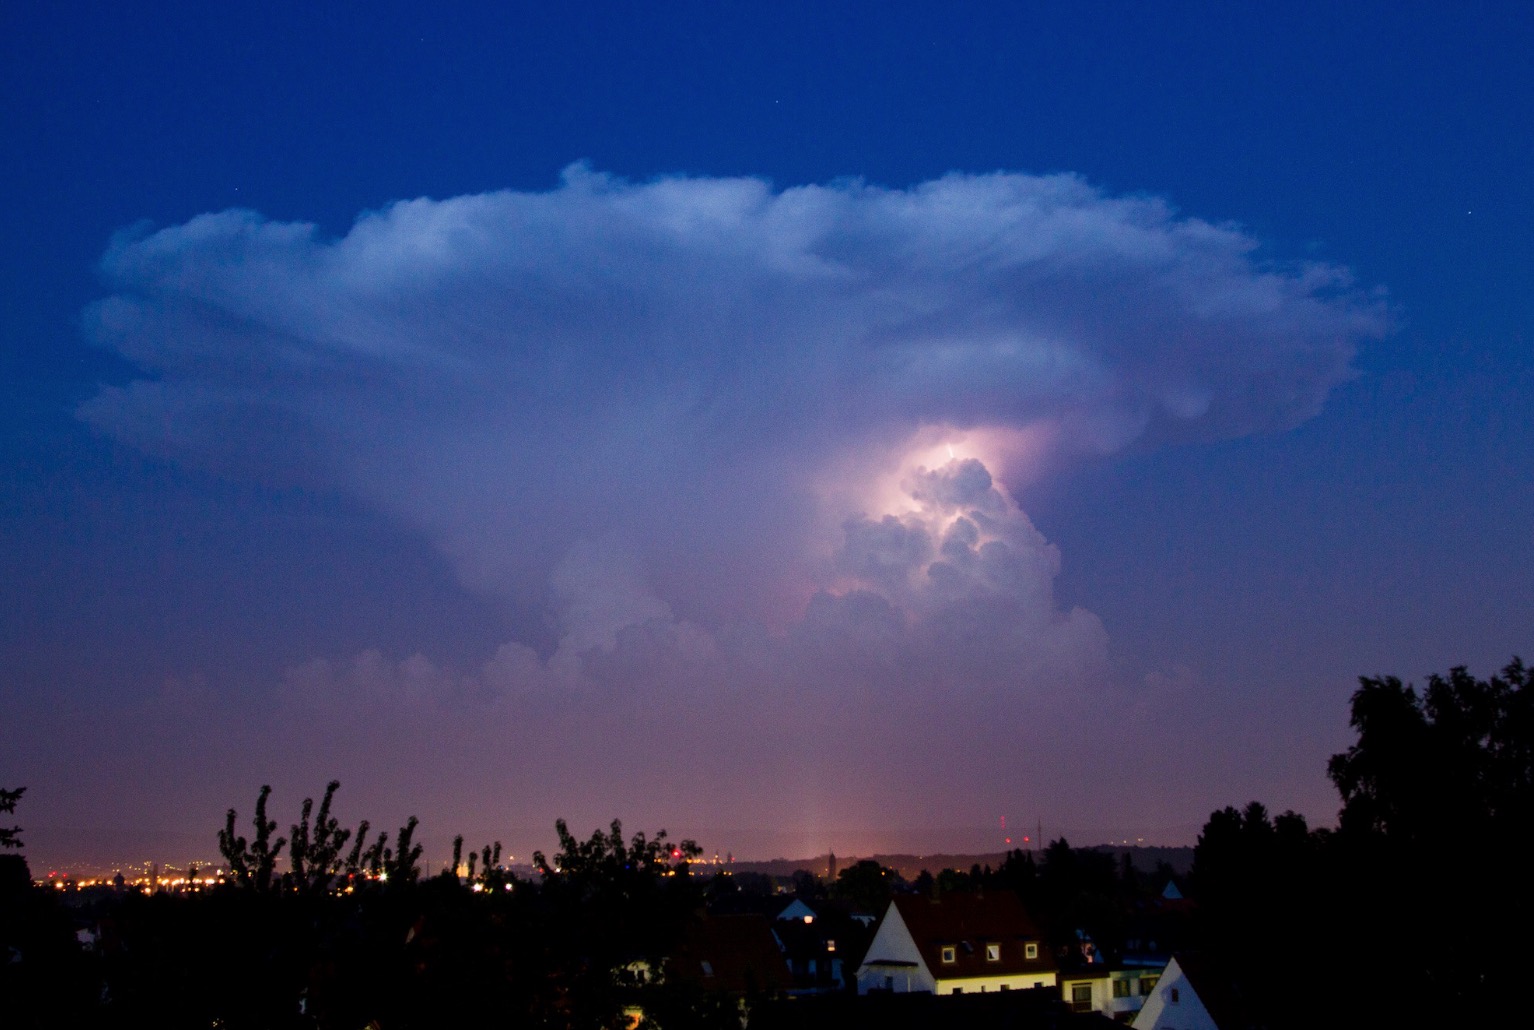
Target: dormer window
[(993, 952), (1031, 950), (949, 955)]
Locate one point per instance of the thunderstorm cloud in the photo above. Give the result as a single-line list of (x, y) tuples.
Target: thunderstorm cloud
[(720, 433)]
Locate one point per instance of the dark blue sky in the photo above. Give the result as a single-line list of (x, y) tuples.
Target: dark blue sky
[(168, 591)]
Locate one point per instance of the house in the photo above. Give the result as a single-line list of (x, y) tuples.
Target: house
[(1189, 997), (1156, 928), (956, 944), (1118, 992), (736, 955), (797, 911), (814, 943)]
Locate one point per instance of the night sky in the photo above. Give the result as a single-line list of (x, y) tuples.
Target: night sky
[(798, 426)]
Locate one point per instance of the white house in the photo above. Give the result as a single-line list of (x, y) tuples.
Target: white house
[(1117, 993), (1185, 998), (956, 944), (797, 911)]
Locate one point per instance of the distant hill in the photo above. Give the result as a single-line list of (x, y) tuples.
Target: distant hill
[(1145, 860)]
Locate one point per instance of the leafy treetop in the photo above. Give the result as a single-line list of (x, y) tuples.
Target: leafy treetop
[(10, 836)]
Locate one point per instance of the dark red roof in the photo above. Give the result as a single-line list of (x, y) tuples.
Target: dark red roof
[(734, 954), (972, 925)]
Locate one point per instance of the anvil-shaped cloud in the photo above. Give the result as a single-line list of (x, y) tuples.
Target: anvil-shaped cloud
[(674, 410)]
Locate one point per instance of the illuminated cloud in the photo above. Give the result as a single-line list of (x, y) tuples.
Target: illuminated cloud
[(675, 412)]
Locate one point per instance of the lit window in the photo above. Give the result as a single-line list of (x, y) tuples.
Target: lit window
[(1031, 950), (948, 954), (993, 952)]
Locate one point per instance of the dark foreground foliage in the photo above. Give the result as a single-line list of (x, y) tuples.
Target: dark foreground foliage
[(268, 951), (1416, 910)]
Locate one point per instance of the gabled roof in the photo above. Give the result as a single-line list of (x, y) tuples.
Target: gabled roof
[(796, 909), (733, 954), (1215, 992), (969, 923)]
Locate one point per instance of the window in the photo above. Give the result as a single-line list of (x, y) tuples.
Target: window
[(1031, 950), (1173, 992), (948, 954), (1081, 997), (1148, 984), (1121, 988), (958, 990), (993, 952)]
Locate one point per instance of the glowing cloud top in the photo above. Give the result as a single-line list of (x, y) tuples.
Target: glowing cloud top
[(720, 381)]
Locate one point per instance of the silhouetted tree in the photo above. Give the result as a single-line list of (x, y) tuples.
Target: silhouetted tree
[(10, 836), (1075, 896), (402, 866), (1445, 777), (46, 979), (957, 881), (867, 885), (491, 875), (807, 886), (1261, 902), (1456, 762), (613, 906), (15, 876), (1018, 872), (1423, 881), (252, 864), (377, 857), (315, 854), (356, 860)]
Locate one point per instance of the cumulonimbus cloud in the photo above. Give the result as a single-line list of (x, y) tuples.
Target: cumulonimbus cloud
[(718, 385)]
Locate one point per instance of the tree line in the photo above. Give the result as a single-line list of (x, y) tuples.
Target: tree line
[(1412, 911), (1415, 910)]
